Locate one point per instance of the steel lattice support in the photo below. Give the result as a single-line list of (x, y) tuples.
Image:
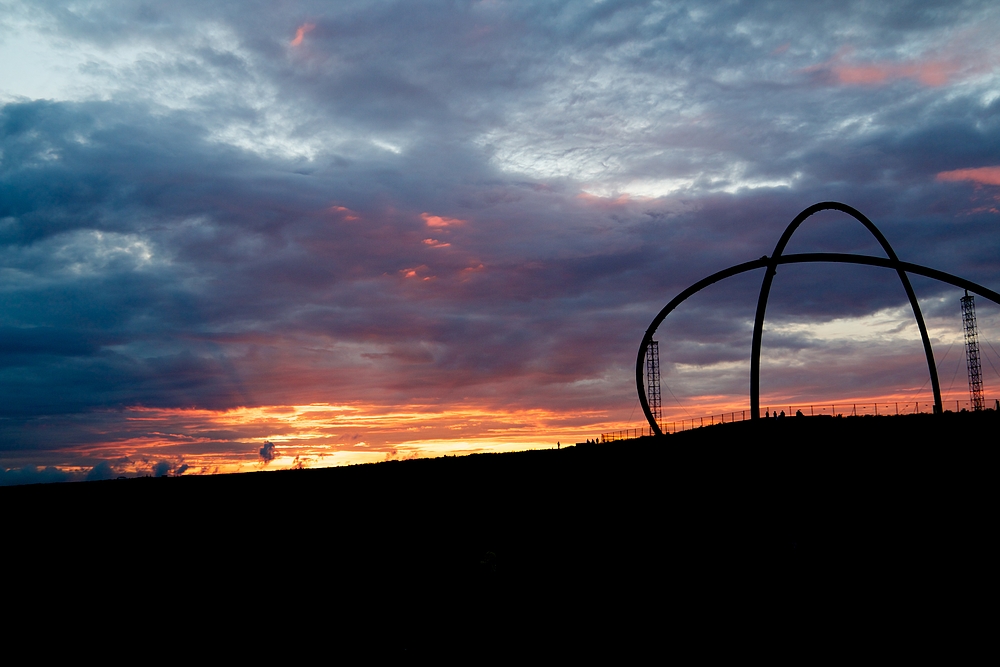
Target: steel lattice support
[(972, 352), (653, 380)]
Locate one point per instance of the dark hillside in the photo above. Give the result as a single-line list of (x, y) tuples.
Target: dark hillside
[(763, 526)]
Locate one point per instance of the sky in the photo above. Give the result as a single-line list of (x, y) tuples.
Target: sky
[(241, 236)]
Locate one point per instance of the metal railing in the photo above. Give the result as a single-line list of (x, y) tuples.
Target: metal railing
[(626, 434), (842, 409)]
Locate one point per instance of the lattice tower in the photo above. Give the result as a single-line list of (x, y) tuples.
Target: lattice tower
[(972, 352), (653, 380)]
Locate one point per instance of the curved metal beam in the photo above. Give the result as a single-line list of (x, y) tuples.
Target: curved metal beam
[(765, 290), (927, 272), (815, 257), (676, 301)]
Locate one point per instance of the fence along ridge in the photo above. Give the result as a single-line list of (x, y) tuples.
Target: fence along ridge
[(847, 409)]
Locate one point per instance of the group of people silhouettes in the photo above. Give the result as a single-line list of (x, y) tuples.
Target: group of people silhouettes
[(767, 414)]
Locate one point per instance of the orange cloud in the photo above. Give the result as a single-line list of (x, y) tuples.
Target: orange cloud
[(440, 221), (983, 175), (320, 435), (349, 214), (468, 271), (415, 272), (301, 31)]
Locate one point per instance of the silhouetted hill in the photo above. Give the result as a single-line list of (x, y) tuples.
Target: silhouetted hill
[(758, 528)]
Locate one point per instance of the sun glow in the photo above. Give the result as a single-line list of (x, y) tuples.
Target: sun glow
[(199, 441)]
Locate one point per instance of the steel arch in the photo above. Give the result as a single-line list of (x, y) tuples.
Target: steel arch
[(771, 263)]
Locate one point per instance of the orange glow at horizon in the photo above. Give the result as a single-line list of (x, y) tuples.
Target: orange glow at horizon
[(301, 31), (324, 435)]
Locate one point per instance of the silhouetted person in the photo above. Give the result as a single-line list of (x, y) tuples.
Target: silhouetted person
[(558, 445), (767, 414), (782, 413), (798, 413)]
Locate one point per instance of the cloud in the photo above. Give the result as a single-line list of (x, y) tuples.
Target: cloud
[(101, 471), (927, 72), (981, 175), (267, 452), (33, 475), (300, 33), (440, 221)]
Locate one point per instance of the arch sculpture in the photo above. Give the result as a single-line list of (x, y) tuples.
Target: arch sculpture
[(770, 264)]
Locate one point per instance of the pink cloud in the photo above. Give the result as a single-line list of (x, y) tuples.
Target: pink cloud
[(434, 243), (469, 272), (343, 210), (301, 31), (441, 221), (982, 175), (929, 72), (415, 273)]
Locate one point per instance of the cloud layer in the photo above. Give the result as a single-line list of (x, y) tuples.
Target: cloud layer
[(463, 216)]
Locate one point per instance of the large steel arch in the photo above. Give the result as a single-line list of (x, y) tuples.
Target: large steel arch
[(771, 263), (765, 290)]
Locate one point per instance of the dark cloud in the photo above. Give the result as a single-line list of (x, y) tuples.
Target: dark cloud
[(103, 470), (33, 475), (267, 452)]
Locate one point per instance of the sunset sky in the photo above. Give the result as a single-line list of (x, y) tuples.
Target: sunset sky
[(362, 231)]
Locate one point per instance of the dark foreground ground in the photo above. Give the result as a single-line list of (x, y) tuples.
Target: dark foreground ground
[(799, 537)]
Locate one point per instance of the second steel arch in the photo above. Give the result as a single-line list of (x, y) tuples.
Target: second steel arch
[(765, 290)]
